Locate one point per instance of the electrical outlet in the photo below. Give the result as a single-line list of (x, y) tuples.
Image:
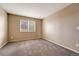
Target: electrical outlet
[(77, 45)]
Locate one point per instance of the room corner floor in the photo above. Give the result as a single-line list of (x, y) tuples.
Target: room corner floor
[(37, 47)]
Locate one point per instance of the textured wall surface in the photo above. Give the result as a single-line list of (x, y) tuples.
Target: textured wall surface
[(60, 27), (3, 28), (14, 29)]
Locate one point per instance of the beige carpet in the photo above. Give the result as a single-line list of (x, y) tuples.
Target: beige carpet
[(37, 47)]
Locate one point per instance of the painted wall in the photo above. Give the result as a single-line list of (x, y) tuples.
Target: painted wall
[(63, 27), (3, 28), (14, 29)]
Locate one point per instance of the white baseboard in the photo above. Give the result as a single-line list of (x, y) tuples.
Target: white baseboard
[(22, 40), (4, 44), (64, 46)]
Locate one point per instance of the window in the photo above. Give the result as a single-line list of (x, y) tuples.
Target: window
[(31, 26), (23, 26), (27, 26)]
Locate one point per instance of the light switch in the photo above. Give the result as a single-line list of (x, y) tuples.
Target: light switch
[(77, 27), (77, 45), (11, 37)]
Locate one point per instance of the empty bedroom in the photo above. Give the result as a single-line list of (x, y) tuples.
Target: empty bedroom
[(39, 29)]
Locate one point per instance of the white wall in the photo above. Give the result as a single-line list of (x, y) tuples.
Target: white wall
[(3, 28), (60, 27)]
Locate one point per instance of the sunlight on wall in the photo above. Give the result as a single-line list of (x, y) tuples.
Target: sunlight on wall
[(48, 27), (1, 28)]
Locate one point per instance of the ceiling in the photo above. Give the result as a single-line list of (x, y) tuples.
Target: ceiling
[(36, 10)]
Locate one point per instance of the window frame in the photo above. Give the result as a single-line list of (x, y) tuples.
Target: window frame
[(34, 25), (28, 25)]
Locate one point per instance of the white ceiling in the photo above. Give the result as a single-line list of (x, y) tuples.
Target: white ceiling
[(36, 10)]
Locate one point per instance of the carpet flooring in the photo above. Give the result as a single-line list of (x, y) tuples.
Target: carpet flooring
[(37, 47)]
